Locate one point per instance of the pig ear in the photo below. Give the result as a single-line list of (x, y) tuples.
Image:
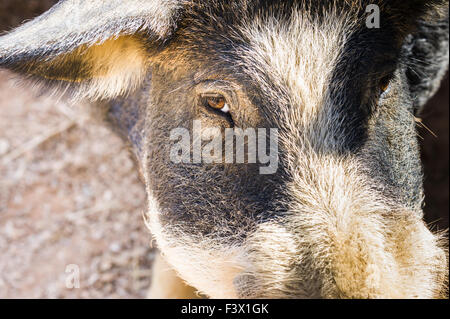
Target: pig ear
[(96, 48), (426, 53)]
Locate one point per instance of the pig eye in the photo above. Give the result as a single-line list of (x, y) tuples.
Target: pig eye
[(385, 84), (217, 102)]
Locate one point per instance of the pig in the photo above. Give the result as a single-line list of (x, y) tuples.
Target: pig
[(340, 83)]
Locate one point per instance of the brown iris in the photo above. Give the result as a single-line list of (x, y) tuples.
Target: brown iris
[(384, 84), (217, 103)]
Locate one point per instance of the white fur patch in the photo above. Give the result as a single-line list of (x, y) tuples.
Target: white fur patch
[(341, 239), (298, 58), (209, 267)]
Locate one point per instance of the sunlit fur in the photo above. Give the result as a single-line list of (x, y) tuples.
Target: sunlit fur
[(89, 44), (166, 284), (343, 241)]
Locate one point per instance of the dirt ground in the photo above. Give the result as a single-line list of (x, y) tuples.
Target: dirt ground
[(63, 202), (62, 198), (70, 195)]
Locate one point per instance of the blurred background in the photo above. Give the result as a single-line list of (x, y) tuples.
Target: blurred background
[(70, 194)]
